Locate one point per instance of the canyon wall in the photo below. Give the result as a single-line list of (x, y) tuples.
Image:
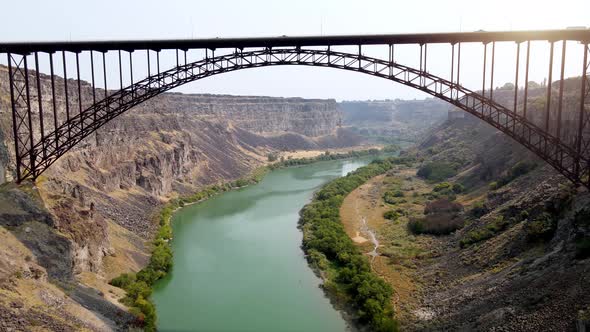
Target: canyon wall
[(102, 197), (382, 120)]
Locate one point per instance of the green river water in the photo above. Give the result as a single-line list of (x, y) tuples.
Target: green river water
[(238, 264)]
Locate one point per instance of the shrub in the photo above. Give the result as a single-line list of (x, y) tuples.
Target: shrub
[(446, 190), (240, 183), (391, 215), (317, 259), (458, 188), (392, 196), (437, 171), (486, 232), (272, 157), (442, 186), (478, 209), (521, 168), (475, 236), (541, 228), (123, 280), (416, 225)]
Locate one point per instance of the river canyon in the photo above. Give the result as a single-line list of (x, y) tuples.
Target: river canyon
[(237, 255), (240, 253)]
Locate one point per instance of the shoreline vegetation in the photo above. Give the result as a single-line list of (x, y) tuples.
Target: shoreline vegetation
[(348, 278), (139, 286)]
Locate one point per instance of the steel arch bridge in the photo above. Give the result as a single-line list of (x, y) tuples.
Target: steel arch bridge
[(41, 138)]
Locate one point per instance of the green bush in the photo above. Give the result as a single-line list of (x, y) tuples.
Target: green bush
[(391, 215), (475, 236), (478, 209), (486, 232), (443, 190), (317, 259), (437, 171), (416, 226), (392, 196), (272, 157), (123, 280), (541, 228), (442, 186), (458, 188), (240, 183)]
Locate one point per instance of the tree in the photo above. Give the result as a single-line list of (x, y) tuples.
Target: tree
[(507, 86)]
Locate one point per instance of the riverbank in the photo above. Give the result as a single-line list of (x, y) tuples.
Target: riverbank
[(139, 286), (400, 251), (348, 279)]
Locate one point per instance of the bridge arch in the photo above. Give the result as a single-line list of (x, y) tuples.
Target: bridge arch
[(55, 144)]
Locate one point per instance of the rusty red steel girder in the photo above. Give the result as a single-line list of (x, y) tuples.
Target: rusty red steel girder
[(39, 144)]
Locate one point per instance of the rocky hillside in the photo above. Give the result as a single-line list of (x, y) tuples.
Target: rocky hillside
[(386, 120), (518, 263), (476, 233), (89, 217)]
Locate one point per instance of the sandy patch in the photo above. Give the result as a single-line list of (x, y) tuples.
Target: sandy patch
[(359, 239), (314, 153)]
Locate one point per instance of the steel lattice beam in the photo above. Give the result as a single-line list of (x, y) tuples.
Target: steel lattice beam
[(37, 147)]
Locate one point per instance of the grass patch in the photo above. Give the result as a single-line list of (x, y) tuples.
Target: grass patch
[(541, 228), (484, 233)]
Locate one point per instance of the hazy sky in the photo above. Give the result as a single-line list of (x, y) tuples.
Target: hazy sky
[(147, 19)]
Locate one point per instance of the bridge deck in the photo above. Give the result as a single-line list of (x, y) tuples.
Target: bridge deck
[(582, 35)]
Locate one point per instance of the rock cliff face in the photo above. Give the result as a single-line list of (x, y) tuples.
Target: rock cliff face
[(382, 120), (264, 115), (101, 196)]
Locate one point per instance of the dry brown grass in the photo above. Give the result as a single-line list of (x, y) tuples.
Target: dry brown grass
[(36, 293), (130, 252)]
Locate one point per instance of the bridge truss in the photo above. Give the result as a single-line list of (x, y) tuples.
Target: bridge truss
[(45, 129)]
